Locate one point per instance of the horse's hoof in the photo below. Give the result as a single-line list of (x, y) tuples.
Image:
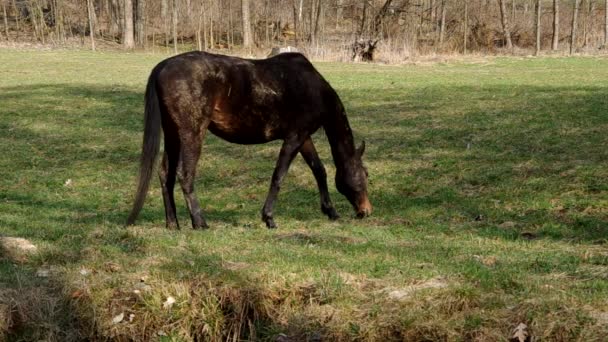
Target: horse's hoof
[(173, 226), (270, 224), (331, 213), (200, 225)]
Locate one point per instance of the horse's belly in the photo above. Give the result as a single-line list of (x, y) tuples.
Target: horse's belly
[(239, 131)]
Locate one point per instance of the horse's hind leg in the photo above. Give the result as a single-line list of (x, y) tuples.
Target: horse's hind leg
[(190, 152), (311, 157), (288, 151), (167, 173)]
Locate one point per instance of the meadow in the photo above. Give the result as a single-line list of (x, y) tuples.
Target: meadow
[(489, 181)]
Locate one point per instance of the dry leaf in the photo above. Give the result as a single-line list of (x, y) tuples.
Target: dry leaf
[(169, 302), (112, 267), (507, 225), (118, 318), (520, 333), (77, 294), (43, 273)]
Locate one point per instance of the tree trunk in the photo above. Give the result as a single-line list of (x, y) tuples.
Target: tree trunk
[(17, 16), (58, 13), (5, 18), (555, 42), (574, 26), (505, 24), (127, 27), (466, 25), (300, 8), (363, 19), (90, 10), (588, 25), (116, 23), (247, 39), (538, 17), (339, 13), (140, 22), (174, 25), (199, 40), (442, 26), (315, 30), (606, 25)]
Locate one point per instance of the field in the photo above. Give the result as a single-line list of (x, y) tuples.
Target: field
[(489, 182)]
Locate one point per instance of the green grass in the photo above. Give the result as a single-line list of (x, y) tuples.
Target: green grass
[(489, 183)]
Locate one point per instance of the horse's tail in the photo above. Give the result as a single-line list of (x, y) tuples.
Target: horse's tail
[(151, 144)]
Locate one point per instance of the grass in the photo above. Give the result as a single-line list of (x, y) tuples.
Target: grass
[(489, 182)]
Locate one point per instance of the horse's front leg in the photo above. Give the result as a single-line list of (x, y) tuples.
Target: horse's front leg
[(288, 151), (311, 157)]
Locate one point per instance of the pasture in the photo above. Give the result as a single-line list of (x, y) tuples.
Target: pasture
[(489, 182)]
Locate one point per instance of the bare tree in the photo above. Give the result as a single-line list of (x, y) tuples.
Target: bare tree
[(574, 26), (588, 24), (505, 24), (90, 11), (555, 42), (339, 12), (466, 26), (442, 25), (538, 17), (174, 24), (316, 14), (247, 39), (5, 18), (127, 27), (606, 25), (140, 22)]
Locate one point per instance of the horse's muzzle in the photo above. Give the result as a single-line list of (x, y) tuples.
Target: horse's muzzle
[(365, 209)]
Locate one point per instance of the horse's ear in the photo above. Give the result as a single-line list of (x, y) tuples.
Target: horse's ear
[(361, 149)]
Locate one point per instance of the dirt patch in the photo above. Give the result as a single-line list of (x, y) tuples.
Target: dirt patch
[(406, 292), (17, 249)]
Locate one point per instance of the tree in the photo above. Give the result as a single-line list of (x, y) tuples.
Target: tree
[(574, 26), (174, 24), (127, 27), (606, 25), (505, 24), (363, 48), (5, 18), (140, 22), (538, 17), (442, 24), (247, 40), (555, 42), (466, 26), (90, 11)]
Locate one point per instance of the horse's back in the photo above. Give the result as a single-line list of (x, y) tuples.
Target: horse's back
[(245, 101)]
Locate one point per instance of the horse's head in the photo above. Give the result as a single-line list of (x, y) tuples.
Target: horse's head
[(351, 181)]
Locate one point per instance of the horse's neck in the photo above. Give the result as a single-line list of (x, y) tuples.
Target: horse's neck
[(340, 139)]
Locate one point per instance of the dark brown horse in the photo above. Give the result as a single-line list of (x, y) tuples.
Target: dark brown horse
[(245, 102)]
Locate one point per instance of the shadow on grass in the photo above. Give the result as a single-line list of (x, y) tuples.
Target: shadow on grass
[(488, 146), (534, 158), (35, 306)]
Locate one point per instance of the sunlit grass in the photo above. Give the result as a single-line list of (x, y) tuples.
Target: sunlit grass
[(489, 179)]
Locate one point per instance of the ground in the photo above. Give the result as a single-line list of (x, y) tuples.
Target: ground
[(489, 182)]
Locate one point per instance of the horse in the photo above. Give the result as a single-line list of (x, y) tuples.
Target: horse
[(245, 101)]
